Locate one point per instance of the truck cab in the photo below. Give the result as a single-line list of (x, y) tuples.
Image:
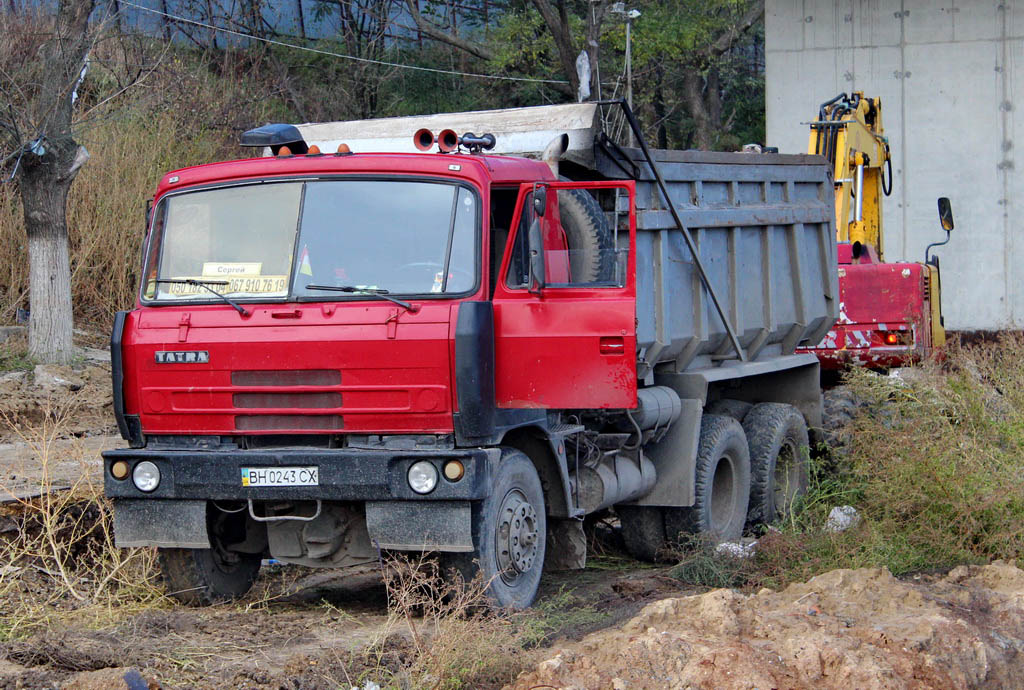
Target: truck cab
[(328, 348)]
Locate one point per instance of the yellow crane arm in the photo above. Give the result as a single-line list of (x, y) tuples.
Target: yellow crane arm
[(849, 133)]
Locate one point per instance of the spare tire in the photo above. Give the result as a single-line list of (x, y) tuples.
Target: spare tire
[(589, 239)]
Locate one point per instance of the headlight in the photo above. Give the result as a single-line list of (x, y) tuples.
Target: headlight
[(422, 477), (146, 476)]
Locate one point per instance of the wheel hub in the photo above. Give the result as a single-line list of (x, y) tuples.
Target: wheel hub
[(517, 536)]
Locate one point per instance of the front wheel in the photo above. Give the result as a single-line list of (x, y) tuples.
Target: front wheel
[(202, 577), (509, 534)]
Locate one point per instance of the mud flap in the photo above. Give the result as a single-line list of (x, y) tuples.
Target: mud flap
[(420, 525), (567, 545), (167, 524)]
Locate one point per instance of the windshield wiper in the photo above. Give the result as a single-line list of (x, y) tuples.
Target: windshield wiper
[(206, 285), (378, 292)]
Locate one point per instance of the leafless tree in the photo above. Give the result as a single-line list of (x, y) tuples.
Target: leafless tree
[(43, 64)]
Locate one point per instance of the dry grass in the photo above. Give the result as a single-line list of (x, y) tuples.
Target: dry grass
[(60, 562)]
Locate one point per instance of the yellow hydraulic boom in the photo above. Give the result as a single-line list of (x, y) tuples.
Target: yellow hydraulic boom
[(849, 133)]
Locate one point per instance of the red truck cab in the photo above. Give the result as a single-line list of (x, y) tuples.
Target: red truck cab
[(327, 349)]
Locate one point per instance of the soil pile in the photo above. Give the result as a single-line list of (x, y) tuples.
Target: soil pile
[(77, 399), (843, 629)]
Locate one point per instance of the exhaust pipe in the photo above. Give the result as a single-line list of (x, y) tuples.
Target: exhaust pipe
[(423, 139), (447, 140)]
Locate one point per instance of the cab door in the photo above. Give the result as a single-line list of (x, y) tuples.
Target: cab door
[(567, 339)]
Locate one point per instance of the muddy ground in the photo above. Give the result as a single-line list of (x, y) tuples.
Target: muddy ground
[(618, 624)]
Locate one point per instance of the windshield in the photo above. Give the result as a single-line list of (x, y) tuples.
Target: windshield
[(274, 240)]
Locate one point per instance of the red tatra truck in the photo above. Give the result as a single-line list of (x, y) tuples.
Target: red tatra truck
[(343, 347)]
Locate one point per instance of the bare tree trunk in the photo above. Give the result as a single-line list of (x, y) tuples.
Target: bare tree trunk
[(693, 87), (302, 19), (50, 324)]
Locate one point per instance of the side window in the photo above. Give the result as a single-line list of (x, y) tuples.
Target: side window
[(586, 239)]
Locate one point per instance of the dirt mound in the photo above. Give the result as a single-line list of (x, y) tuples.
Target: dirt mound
[(76, 400), (844, 629)]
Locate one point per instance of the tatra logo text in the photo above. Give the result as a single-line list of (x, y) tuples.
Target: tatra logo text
[(183, 357)]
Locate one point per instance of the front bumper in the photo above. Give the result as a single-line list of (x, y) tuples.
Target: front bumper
[(345, 474)]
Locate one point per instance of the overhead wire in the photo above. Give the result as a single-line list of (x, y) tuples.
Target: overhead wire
[(355, 58)]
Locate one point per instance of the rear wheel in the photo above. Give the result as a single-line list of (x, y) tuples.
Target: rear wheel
[(777, 435), (509, 534), (643, 531), (722, 484)]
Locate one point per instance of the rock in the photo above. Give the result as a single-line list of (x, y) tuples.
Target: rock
[(842, 629), (12, 381), (842, 518), (110, 679), (56, 377), (744, 549)]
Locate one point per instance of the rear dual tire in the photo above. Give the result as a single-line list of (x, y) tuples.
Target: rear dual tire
[(722, 494)]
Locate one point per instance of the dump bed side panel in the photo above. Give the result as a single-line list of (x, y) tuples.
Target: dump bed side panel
[(764, 226)]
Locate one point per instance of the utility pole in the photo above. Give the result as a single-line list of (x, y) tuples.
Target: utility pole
[(629, 15)]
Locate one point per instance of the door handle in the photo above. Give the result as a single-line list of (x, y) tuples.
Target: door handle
[(612, 345), (290, 314)]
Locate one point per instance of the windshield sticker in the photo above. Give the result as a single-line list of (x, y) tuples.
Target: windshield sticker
[(254, 285), (438, 282), (230, 269), (304, 266)]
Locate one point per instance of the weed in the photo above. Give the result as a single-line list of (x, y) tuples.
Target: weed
[(555, 614), (934, 463)]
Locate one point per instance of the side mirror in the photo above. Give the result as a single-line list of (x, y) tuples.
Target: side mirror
[(536, 244), (945, 213), (540, 200)]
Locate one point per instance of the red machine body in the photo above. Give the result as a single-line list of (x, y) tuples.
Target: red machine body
[(884, 312)]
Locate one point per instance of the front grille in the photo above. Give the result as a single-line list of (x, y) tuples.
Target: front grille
[(278, 422), (308, 377), (310, 401)]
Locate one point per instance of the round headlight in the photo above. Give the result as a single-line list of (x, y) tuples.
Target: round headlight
[(422, 477), (146, 476)]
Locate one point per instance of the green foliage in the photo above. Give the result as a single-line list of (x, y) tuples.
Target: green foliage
[(935, 468)]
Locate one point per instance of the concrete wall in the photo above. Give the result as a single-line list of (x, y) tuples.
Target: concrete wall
[(951, 77)]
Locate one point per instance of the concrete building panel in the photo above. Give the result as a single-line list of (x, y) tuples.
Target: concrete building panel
[(951, 77)]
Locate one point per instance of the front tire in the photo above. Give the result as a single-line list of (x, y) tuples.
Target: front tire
[(202, 577), (509, 535)]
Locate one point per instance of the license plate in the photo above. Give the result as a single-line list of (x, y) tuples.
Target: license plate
[(280, 476)]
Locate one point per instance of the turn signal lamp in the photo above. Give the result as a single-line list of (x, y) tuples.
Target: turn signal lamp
[(343, 149), (314, 150), (454, 470), (284, 151), (119, 470)]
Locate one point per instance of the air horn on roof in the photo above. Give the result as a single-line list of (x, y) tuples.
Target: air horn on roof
[(448, 141)]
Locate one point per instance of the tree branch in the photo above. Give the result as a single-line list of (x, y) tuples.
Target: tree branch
[(754, 14), (432, 31)]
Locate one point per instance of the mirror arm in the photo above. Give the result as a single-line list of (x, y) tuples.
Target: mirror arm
[(928, 249)]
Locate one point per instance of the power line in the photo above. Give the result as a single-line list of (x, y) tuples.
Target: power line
[(328, 53)]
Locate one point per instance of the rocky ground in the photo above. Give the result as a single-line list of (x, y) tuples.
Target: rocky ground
[(844, 629)]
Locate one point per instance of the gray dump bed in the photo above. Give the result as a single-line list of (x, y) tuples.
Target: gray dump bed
[(763, 224)]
